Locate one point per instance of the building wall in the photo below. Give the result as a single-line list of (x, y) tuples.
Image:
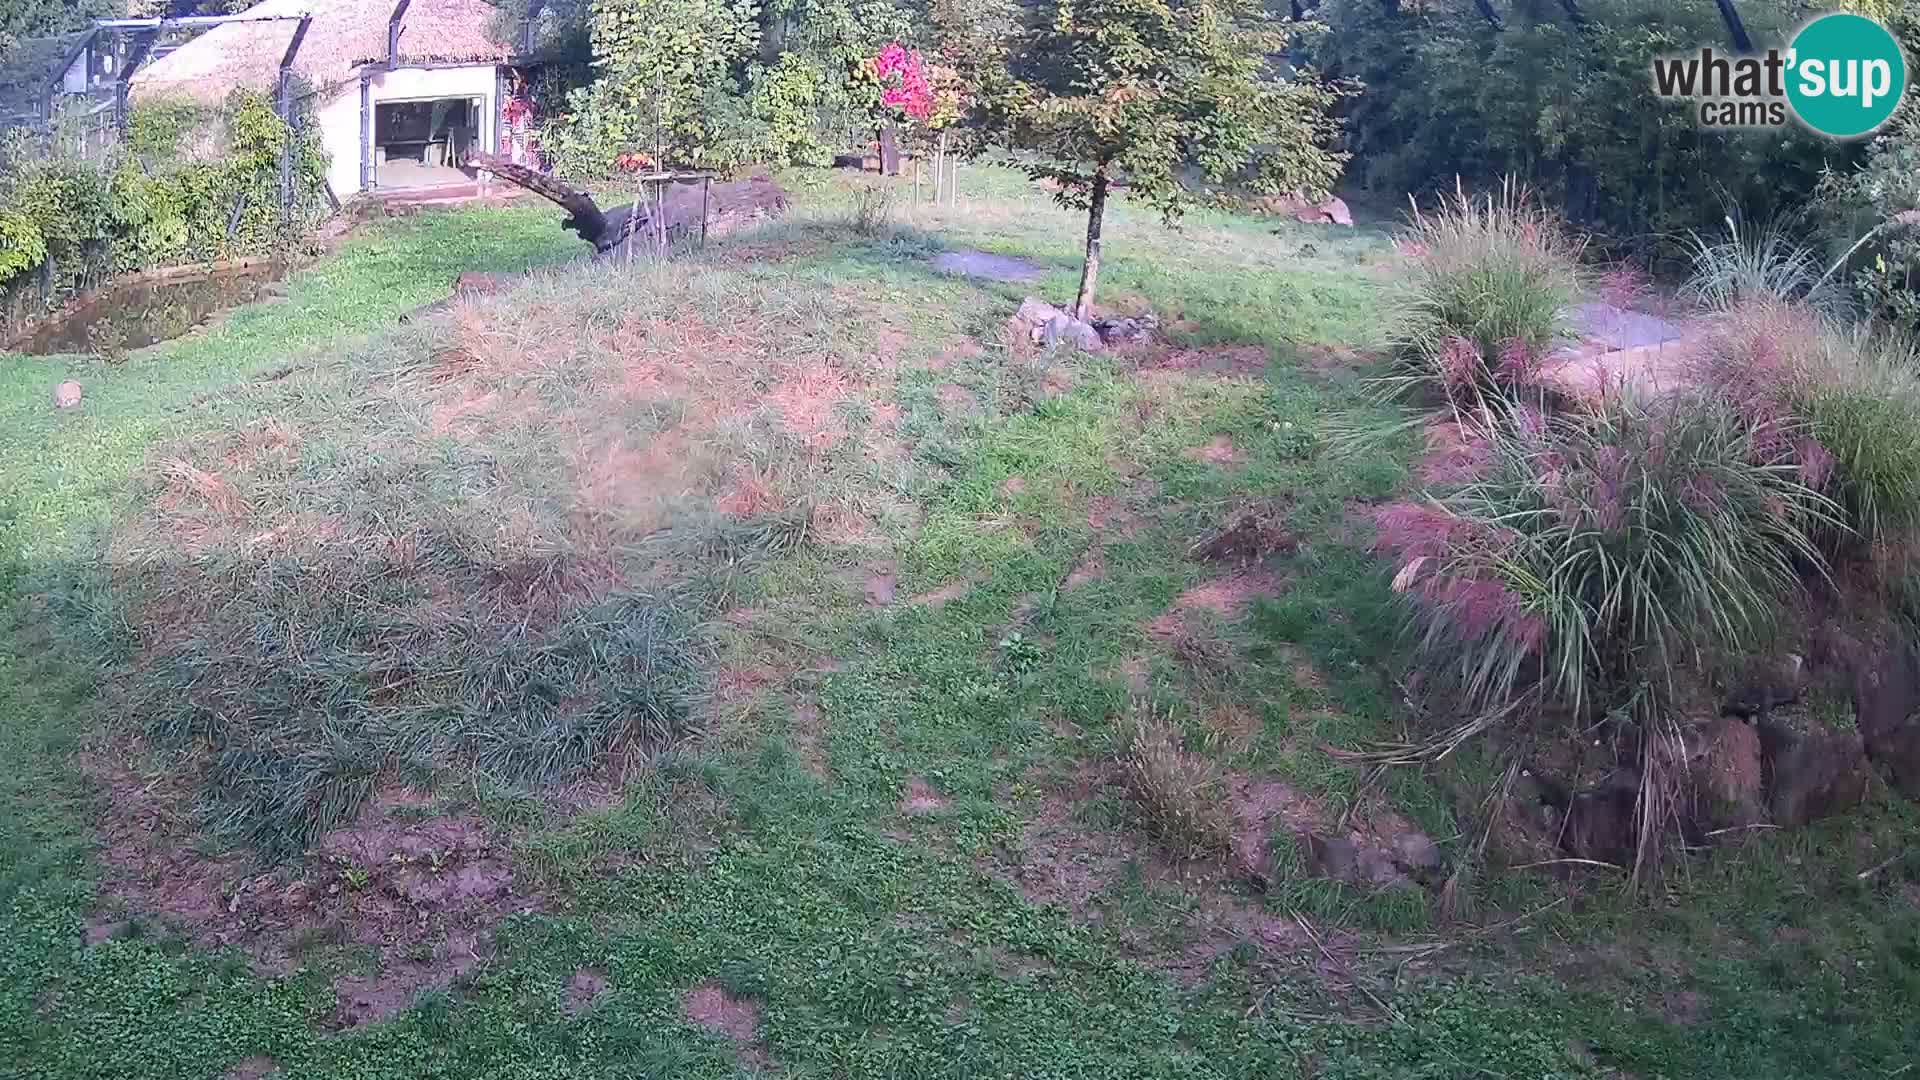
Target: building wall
[(339, 118)]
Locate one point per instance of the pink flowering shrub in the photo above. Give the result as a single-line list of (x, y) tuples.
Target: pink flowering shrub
[(903, 81), (1492, 283), (1591, 553), (1842, 409)]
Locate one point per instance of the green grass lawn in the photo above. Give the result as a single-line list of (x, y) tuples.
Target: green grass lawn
[(918, 579)]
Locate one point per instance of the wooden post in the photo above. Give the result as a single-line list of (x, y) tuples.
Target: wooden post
[(631, 214), (939, 169), (660, 219)]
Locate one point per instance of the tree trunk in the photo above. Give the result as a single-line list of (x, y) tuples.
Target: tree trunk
[(1090, 275), (1734, 26), (1486, 12)]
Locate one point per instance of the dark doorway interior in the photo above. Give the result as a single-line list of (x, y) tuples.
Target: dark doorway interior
[(424, 143)]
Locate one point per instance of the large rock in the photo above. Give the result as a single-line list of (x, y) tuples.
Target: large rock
[(1050, 327), (1766, 686), (1886, 704), (1126, 330), (1810, 777), (1729, 787)]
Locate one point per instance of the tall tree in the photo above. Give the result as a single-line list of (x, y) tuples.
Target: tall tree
[(37, 18), (1160, 100)]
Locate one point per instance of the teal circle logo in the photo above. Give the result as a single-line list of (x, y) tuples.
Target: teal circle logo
[(1845, 75)]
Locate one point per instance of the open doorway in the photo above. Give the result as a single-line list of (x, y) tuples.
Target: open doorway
[(424, 143)]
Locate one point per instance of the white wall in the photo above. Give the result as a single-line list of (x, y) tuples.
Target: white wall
[(339, 118)]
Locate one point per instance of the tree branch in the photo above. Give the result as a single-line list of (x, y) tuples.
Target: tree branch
[(585, 216), (1738, 29)]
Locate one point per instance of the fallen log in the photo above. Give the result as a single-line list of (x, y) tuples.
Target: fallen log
[(684, 208)]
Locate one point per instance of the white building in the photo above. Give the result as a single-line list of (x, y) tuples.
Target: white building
[(401, 90)]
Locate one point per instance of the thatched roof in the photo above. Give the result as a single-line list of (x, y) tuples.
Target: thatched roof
[(27, 67), (344, 35)]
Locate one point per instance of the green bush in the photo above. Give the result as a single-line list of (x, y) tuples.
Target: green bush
[(711, 85), (22, 246), (155, 129), (148, 205), (1493, 283)]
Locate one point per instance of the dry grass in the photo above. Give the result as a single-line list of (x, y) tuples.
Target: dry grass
[(477, 551), (1181, 795)]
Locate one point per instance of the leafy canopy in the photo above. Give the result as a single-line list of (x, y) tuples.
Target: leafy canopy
[(1167, 96)]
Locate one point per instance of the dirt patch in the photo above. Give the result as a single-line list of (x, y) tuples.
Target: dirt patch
[(1259, 806), (98, 930), (1225, 360), (1112, 513), (1228, 596), (943, 595), (583, 989), (252, 1068), (422, 894), (1220, 926), (739, 684), (807, 735), (880, 585), (838, 525), (746, 493), (808, 401), (189, 486), (1453, 455), (1091, 568), (366, 999), (1683, 1008), (957, 400), (960, 350), (617, 477), (920, 798), (1305, 675), (735, 1019), (1061, 863), (1329, 359), (1237, 726), (1218, 451)]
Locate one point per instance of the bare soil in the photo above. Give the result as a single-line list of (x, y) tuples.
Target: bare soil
[(735, 1019), (423, 895), (584, 988)]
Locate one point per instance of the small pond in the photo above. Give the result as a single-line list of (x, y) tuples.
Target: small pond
[(120, 318)]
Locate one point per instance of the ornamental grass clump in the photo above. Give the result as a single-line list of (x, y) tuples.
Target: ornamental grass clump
[(1493, 285), (1592, 555)]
